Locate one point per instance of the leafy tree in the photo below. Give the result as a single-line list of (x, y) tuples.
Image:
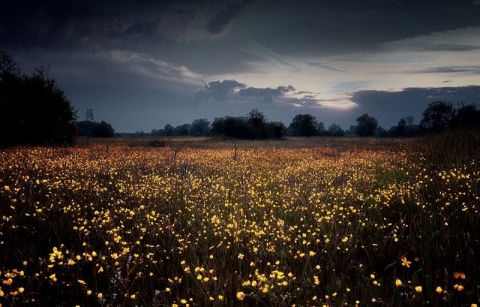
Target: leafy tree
[(168, 130), (258, 123), (238, 127), (85, 128), (199, 127), (156, 132), (404, 128), (305, 125), (102, 130), (181, 130), (276, 130), (90, 128), (252, 126), (352, 130), (233, 127), (33, 109), (366, 125), (335, 130), (467, 116), (437, 117)]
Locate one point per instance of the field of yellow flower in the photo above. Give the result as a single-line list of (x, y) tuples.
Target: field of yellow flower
[(333, 224)]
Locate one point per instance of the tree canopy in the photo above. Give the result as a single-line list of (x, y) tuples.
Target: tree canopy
[(437, 117), (366, 125), (252, 126), (33, 109), (305, 125)]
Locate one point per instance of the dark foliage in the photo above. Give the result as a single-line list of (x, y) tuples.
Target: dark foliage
[(366, 125), (253, 126), (199, 127), (441, 116), (33, 110), (335, 130), (93, 129), (437, 117), (305, 125)]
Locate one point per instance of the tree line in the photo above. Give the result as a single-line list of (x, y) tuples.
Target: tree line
[(35, 111), (438, 117)]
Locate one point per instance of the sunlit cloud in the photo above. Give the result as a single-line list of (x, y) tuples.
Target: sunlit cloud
[(339, 103), (147, 66)]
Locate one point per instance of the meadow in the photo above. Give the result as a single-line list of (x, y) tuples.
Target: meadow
[(299, 222)]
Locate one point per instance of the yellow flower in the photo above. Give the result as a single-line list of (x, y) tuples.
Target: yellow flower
[(398, 282), (405, 262), (439, 290), (419, 289), (240, 296)]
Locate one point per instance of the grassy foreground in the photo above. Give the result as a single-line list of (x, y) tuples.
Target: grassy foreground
[(342, 222)]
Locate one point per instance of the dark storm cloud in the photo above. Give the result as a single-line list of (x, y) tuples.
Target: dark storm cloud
[(267, 94), (55, 24), (352, 25), (234, 91), (462, 93), (223, 19), (217, 90), (25, 23)]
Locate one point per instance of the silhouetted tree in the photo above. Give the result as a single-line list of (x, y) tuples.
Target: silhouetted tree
[(352, 130), (200, 127), (33, 109), (181, 130), (238, 127), (102, 130), (85, 128), (437, 117), (404, 128), (156, 132), (305, 125), (276, 130), (335, 130), (252, 126), (466, 117), (168, 130), (366, 125), (258, 124)]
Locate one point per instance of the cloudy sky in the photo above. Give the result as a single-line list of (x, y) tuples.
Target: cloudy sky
[(143, 64)]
